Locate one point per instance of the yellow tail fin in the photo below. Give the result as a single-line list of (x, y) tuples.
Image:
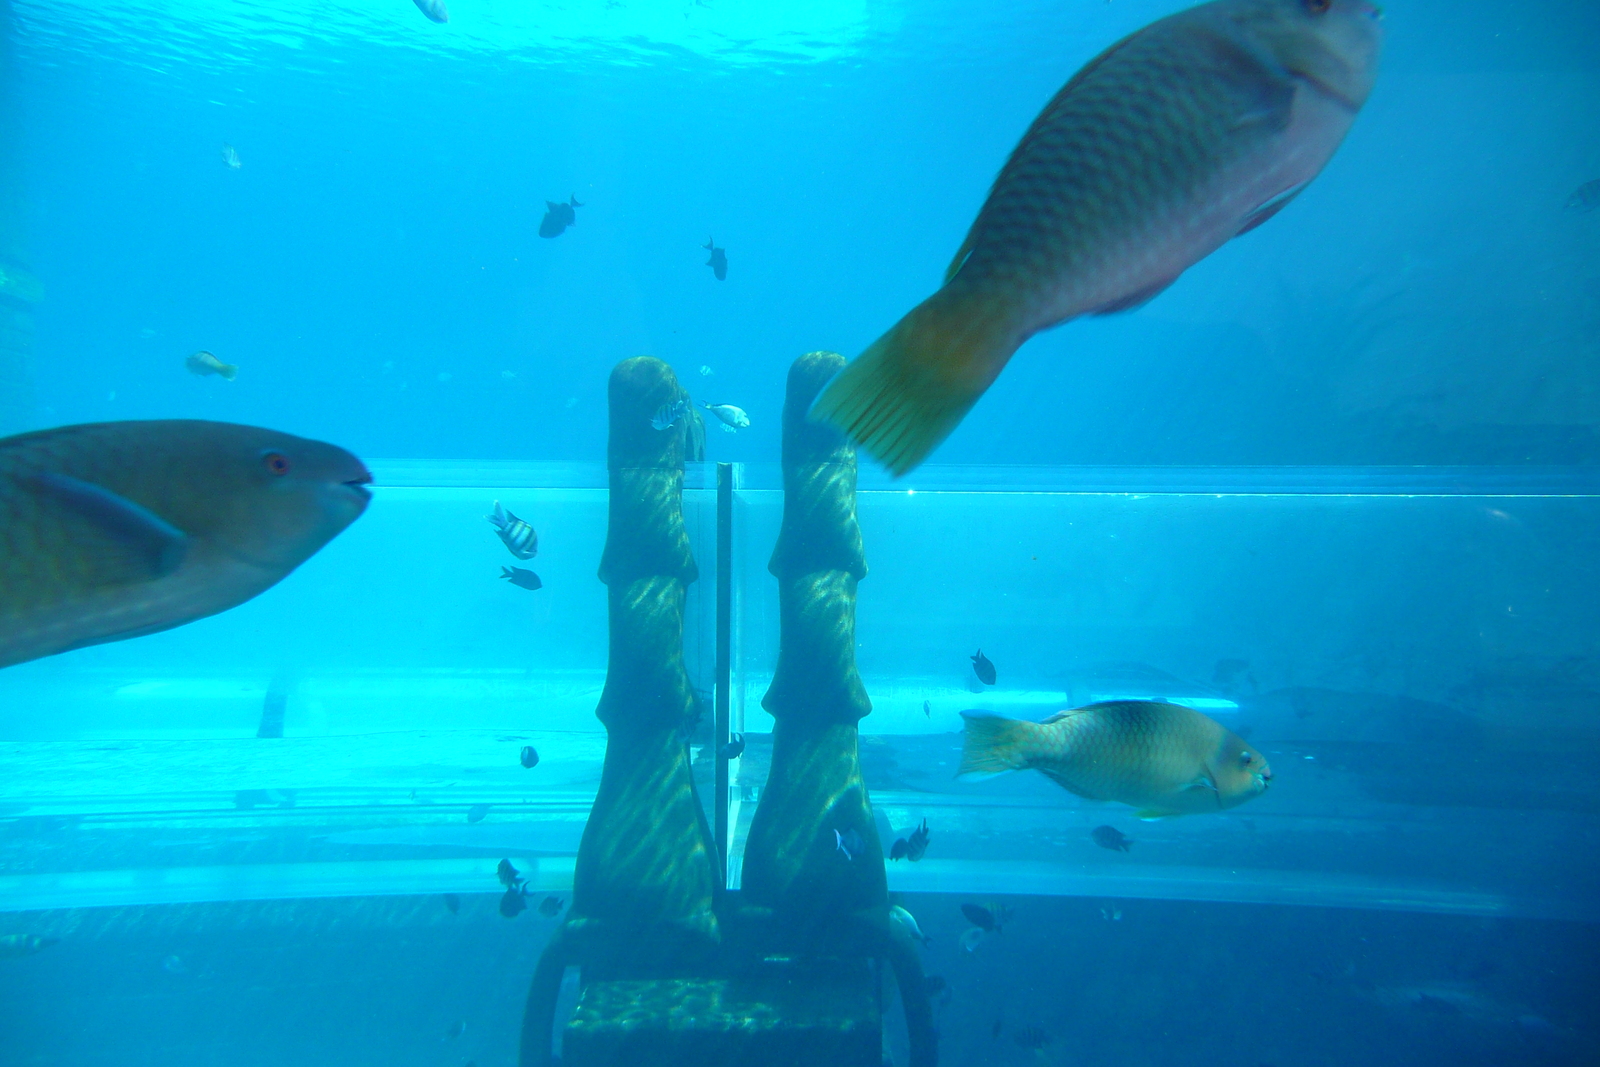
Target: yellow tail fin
[(915, 384), (228, 371), (994, 744)]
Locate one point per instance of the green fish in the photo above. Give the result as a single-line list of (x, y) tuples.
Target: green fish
[(14, 946), (118, 529), (1196, 129)]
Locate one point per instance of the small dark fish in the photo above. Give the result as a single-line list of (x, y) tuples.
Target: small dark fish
[(898, 850), (734, 748), (434, 9), (477, 813), (849, 842), (517, 535), (917, 843), (1585, 197), (513, 903), (509, 876), (1112, 838), (204, 363), (557, 217), (1031, 1038), (529, 757), (455, 1030), (988, 919), (927, 708), (452, 903), (983, 668), (15, 946), (667, 414), (718, 261), (550, 907), (521, 578)]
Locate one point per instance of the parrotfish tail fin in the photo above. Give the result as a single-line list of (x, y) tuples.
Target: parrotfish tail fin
[(228, 371), (505, 572), (918, 381), (993, 744)]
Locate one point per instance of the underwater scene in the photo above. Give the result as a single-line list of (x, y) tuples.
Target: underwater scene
[(877, 533)]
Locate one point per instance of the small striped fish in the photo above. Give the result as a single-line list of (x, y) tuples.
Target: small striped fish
[(518, 536)]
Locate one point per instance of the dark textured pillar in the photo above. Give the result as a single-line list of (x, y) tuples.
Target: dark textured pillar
[(19, 289), (793, 865), (642, 893)]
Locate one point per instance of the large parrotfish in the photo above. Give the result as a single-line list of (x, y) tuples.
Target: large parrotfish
[(1164, 759), (117, 529), (1196, 129)]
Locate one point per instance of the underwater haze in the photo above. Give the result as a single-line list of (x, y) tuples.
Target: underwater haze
[(1307, 542)]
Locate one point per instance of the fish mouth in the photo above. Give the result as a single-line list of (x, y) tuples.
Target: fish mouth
[(358, 487)]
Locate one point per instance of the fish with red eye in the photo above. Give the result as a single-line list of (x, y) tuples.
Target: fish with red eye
[(276, 462)]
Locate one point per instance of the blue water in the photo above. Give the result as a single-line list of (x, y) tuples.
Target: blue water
[(1355, 450)]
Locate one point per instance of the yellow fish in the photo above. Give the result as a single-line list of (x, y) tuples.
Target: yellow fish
[(1173, 141), (1164, 759), (204, 363)]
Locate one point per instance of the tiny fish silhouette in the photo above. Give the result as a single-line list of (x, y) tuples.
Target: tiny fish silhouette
[(1112, 838), (983, 668), (988, 919), (477, 813), (230, 156), (452, 903), (509, 876), (718, 261), (917, 843), (667, 414), (14, 946), (1585, 198), (434, 9), (734, 748), (455, 1030), (512, 903), (732, 418), (203, 363), (522, 578), (550, 907), (1031, 1038), (557, 217), (529, 757), (927, 709), (518, 536)]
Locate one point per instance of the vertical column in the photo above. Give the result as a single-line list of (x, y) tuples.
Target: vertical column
[(719, 733), (813, 855), (642, 893)]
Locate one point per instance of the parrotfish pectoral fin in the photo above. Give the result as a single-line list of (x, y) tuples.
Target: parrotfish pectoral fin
[(1202, 782), (158, 543), (1269, 209), (915, 384)]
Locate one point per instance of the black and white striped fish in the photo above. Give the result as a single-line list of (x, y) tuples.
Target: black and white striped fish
[(518, 536)]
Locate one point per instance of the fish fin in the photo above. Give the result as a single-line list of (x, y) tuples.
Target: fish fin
[(1153, 814), (992, 744), (573, 200), (228, 371), (1067, 714), (1136, 299), (905, 394), (711, 242), (962, 253), (1269, 209), (1202, 782), (158, 544)]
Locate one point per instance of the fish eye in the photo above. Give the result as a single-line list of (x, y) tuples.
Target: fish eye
[(276, 462), (1317, 7), (1245, 758)]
